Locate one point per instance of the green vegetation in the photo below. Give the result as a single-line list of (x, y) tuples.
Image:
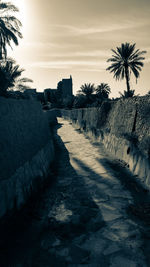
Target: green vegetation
[(126, 60)]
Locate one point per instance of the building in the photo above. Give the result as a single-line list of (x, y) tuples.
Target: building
[(65, 87), (64, 90)]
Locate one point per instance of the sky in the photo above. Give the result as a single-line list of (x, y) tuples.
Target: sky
[(75, 37)]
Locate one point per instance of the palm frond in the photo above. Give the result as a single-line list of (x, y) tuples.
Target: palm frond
[(9, 27), (25, 80), (7, 6), (126, 58)]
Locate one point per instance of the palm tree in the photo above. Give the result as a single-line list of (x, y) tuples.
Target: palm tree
[(126, 60), (103, 90), (9, 27), (21, 84), (87, 89), (9, 77)]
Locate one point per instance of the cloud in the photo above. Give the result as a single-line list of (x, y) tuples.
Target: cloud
[(147, 60), (146, 48), (51, 45), (88, 53), (37, 44), (90, 70), (70, 64), (73, 30)]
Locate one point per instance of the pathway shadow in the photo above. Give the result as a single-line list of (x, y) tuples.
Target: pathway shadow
[(64, 210), (76, 196)]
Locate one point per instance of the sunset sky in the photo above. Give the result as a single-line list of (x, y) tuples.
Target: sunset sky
[(75, 37)]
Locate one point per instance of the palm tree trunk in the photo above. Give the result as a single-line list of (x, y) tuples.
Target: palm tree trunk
[(1, 57), (127, 79), (1, 54)]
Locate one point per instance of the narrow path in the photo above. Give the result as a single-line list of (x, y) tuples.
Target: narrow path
[(88, 217)]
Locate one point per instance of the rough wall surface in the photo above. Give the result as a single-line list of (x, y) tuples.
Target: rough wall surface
[(52, 115), (26, 151), (123, 127)]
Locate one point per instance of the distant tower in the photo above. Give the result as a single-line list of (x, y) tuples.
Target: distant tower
[(65, 87)]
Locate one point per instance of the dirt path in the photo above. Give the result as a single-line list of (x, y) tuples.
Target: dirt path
[(88, 217)]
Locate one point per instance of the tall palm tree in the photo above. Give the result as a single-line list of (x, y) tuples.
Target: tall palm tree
[(87, 89), (9, 27), (103, 90), (126, 60)]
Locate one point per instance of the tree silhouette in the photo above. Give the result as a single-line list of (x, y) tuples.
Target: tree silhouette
[(103, 90), (87, 89), (124, 61), (9, 77), (9, 27)]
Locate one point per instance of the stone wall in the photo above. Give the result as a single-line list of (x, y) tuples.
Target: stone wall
[(124, 128), (26, 151), (52, 115)]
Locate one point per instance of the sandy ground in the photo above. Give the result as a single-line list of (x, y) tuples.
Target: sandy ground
[(92, 215)]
